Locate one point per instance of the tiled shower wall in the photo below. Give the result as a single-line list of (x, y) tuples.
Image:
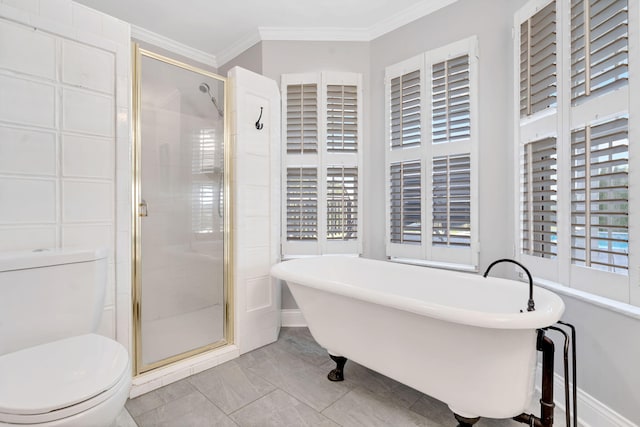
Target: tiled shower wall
[(65, 169)]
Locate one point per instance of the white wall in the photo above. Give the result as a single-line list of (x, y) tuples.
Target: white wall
[(65, 170), (250, 59), (608, 350)]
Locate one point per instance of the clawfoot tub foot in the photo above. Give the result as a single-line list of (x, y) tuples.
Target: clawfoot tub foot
[(338, 373), (465, 422)]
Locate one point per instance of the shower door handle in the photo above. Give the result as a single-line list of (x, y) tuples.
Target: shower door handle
[(142, 208)]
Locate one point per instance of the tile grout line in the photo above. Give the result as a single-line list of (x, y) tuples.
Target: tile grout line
[(253, 401), (163, 403), (243, 406), (318, 412)]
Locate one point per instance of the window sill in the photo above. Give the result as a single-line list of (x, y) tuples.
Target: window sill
[(606, 303), (436, 264), (290, 257)]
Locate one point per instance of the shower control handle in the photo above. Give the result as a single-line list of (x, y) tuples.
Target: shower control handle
[(142, 208)]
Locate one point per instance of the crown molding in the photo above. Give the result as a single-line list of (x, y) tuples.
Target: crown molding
[(314, 34), (393, 22), (238, 47), (410, 14), (173, 46)]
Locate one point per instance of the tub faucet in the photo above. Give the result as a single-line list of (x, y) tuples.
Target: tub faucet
[(531, 306)]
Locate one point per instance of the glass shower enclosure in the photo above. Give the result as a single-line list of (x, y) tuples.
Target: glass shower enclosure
[(181, 205)]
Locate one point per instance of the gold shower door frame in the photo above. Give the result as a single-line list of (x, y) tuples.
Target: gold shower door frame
[(138, 366)]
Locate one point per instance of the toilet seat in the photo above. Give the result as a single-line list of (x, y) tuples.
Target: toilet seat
[(60, 379)]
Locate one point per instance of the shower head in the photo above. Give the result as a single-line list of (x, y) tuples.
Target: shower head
[(204, 88)]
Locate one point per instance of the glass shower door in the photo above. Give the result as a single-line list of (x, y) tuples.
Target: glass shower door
[(180, 236)]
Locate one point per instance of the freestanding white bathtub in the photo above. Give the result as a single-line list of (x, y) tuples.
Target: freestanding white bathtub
[(458, 337)]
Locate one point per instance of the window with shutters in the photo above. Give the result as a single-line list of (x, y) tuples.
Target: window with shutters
[(575, 164), (431, 156), (600, 196), (322, 151), (302, 203), (342, 203), (451, 199), (405, 110), (450, 106), (538, 61), (540, 198), (406, 202), (302, 118), (599, 47), (342, 118)]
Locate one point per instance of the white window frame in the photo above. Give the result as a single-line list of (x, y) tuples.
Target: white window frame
[(540, 125), (425, 253), (322, 160), (560, 122)]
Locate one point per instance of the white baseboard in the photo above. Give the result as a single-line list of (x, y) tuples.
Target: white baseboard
[(591, 411), (292, 318)]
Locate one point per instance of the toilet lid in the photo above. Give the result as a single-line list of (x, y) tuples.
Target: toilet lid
[(59, 374)]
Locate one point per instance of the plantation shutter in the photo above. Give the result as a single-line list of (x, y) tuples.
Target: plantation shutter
[(451, 161), (539, 199), (302, 203), (451, 198), (302, 118), (406, 202), (342, 118), (342, 203), (405, 110), (574, 159), (431, 175), (341, 160), (538, 73), (450, 100), (322, 151), (600, 196), (599, 47)]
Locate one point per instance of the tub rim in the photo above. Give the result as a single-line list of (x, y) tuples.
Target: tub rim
[(544, 315)]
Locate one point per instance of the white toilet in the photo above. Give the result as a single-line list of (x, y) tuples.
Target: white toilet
[(54, 371)]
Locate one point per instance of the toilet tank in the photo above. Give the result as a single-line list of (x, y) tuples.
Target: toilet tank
[(50, 294)]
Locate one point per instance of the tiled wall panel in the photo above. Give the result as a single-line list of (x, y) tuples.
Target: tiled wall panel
[(27, 201), (256, 183), (84, 201), (27, 102), (27, 238), (65, 71), (34, 55), (87, 67), (25, 151), (87, 112), (85, 156)]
